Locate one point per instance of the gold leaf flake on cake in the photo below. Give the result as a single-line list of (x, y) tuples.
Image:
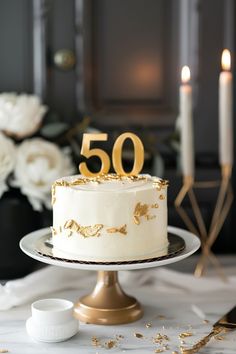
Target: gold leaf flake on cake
[(72, 225), (61, 183), (150, 217), (142, 210), (160, 184), (90, 231), (139, 211), (161, 197), (54, 231), (155, 206), (86, 231), (122, 230)]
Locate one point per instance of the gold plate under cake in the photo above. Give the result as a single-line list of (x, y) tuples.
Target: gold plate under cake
[(176, 245)]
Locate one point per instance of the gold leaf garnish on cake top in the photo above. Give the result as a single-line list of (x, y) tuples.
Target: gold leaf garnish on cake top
[(160, 184), (98, 179), (122, 230), (86, 231), (60, 183)]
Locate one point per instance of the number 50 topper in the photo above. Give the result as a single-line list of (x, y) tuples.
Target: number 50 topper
[(116, 154)]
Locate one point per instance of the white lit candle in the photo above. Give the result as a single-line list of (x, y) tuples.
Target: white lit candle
[(225, 111), (187, 150)]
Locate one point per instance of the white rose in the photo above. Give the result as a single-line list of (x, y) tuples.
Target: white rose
[(20, 115), (39, 163), (7, 161)]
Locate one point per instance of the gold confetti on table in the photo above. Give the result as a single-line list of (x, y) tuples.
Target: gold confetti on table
[(175, 352), (160, 338), (159, 351), (161, 317), (4, 351), (119, 336), (138, 335), (110, 344), (148, 325), (185, 334), (96, 342), (206, 321), (219, 337)]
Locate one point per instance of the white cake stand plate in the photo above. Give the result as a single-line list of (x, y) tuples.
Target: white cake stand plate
[(108, 304)]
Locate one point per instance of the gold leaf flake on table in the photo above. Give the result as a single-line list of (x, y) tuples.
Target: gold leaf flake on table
[(148, 325), (110, 344), (219, 337), (185, 334), (206, 321), (159, 338), (138, 335), (95, 341)]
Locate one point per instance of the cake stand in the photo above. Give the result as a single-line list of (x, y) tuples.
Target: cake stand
[(108, 304)]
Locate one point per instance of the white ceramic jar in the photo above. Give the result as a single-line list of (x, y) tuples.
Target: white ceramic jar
[(52, 320)]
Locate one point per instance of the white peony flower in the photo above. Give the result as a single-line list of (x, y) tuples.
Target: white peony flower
[(7, 161), (39, 163), (20, 115)]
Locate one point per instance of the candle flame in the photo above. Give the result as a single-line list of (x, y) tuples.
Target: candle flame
[(226, 60), (185, 74)]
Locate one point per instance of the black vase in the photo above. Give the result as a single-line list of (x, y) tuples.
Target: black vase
[(17, 218)]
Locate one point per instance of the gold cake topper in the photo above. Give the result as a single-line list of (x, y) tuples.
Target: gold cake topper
[(116, 154)]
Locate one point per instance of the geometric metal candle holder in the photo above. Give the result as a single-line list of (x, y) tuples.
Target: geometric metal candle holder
[(222, 207)]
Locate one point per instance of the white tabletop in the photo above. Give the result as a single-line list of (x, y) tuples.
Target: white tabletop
[(169, 314)]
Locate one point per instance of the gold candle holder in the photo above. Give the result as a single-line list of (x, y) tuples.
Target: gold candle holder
[(221, 210)]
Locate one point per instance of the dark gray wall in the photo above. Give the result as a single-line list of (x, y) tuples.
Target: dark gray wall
[(118, 39), (16, 45)]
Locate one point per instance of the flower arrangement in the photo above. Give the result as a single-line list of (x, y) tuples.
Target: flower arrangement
[(34, 150)]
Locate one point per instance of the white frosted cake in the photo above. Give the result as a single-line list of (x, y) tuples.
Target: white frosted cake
[(110, 217)]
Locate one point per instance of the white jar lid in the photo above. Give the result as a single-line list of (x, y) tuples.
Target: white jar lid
[(52, 320)]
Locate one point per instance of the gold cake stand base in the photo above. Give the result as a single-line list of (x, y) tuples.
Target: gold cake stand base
[(108, 304)]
